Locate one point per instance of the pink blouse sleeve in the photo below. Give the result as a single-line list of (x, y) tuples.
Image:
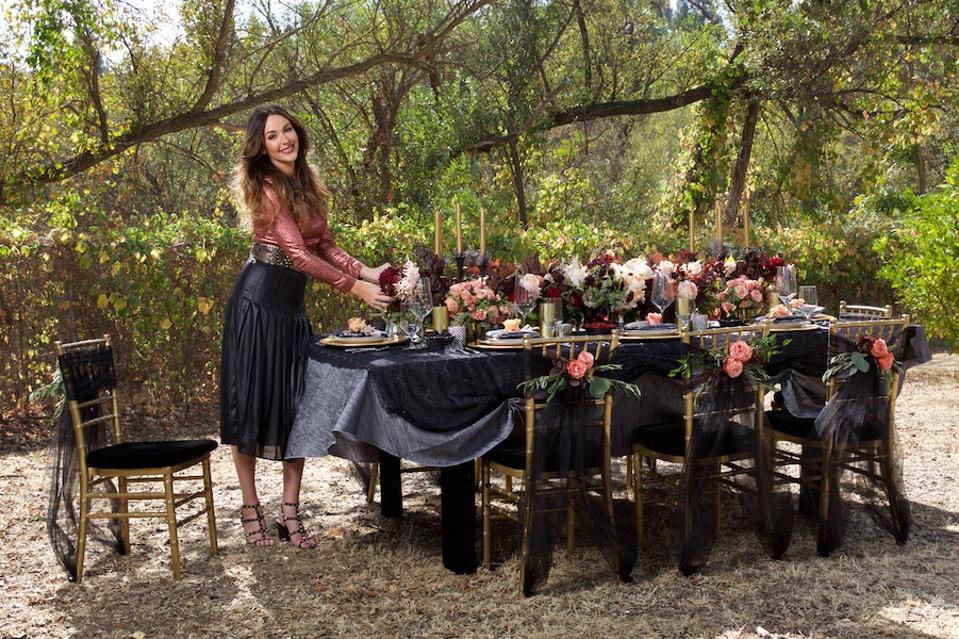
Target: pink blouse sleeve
[(288, 237), (333, 254)]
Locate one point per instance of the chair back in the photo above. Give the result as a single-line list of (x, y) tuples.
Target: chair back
[(844, 336), (89, 379), (859, 312), (700, 412)]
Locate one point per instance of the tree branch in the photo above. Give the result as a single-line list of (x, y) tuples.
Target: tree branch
[(216, 64)]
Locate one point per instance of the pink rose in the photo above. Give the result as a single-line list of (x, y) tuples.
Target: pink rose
[(733, 367), (728, 307), (586, 356), (576, 368), (468, 299), (654, 319), (778, 311), (722, 295), (750, 285), (885, 363), (479, 315), (797, 303), (740, 350), (452, 306), (879, 349), (741, 291), (756, 294)]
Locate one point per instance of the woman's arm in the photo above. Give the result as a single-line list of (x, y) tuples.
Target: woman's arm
[(328, 250)]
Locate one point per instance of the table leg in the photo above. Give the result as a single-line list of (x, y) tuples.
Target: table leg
[(458, 517), (391, 488)]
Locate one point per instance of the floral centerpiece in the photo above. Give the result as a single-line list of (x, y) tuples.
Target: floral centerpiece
[(578, 373), (743, 295), (473, 301), (604, 287), (871, 353), (402, 284)]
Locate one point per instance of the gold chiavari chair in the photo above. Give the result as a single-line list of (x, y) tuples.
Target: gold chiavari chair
[(96, 406), (874, 447), (514, 458), (671, 442), (860, 312)]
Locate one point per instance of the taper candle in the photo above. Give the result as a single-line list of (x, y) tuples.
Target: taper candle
[(459, 228), (482, 246), (438, 232), (719, 225)]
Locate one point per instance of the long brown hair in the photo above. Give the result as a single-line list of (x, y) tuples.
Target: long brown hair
[(301, 194)]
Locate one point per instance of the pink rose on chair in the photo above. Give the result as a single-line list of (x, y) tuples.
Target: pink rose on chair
[(741, 351), (587, 357), (879, 349), (733, 367), (576, 368), (885, 363), (654, 319)]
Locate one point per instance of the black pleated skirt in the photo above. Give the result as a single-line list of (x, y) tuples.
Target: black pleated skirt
[(266, 335)]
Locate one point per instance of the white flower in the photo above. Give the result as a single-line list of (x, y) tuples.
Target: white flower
[(666, 267), (729, 265), (688, 290), (531, 284), (693, 268), (640, 268), (410, 284), (575, 273)]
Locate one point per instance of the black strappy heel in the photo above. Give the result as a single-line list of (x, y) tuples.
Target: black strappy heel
[(264, 538), (284, 533)]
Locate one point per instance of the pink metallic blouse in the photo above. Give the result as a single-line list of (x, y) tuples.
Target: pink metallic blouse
[(311, 250)]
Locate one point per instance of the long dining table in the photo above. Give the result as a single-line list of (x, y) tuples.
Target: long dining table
[(446, 408)]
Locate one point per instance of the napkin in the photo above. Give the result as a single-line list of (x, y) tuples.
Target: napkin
[(375, 334), (643, 326)]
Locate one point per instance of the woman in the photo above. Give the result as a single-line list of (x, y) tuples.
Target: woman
[(266, 332)]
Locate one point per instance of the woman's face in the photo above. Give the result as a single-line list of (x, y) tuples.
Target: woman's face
[(281, 143)]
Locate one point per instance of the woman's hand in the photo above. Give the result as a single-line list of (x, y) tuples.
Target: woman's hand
[(373, 274), (371, 294)]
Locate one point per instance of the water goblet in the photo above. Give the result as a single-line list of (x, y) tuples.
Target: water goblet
[(786, 283), (523, 301), (810, 301), (663, 292), (420, 306)]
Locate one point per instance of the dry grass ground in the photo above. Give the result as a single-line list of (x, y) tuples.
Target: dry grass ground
[(370, 579)]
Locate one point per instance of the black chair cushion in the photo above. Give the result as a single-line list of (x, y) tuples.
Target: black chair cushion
[(669, 438), (804, 428), (149, 454), (512, 454)]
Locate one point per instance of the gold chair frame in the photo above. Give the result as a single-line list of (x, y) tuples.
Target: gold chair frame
[(865, 450), (719, 337), (92, 476), (602, 346), (865, 312)]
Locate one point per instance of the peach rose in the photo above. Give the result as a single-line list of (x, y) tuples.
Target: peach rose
[(728, 307), (479, 315), (740, 350), (452, 306), (511, 324), (756, 294), (885, 363), (654, 319), (778, 311), (733, 367), (576, 368), (586, 356), (741, 291), (879, 349), (356, 324), (797, 303)]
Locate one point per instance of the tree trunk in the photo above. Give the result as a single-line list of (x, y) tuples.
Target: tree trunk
[(518, 184), (921, 169), (737, 180)]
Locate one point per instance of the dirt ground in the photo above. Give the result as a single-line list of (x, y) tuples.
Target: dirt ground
[(372, 578)]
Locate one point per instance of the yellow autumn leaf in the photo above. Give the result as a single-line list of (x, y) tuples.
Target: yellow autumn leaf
[(104, 257), (120, 303), (204, 304), (165, 323), (102, 301), (155, 254)]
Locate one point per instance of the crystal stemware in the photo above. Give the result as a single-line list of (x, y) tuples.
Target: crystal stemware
[(523, 301), (810, 301), (786, 283), (420, 306), (663, 292)]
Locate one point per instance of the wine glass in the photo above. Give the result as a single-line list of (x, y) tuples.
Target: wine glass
[(786, 283), (523, 301), (810, 301), (663, 292), (420, 306)]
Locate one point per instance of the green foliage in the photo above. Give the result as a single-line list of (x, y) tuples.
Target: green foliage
[(920, 258)]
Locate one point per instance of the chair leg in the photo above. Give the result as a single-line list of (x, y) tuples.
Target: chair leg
[(171, 524), (484, 479), (638, 493), (885, 470), (824, 496), (374, 478), (124, 508), (82, 533), (210, 514)]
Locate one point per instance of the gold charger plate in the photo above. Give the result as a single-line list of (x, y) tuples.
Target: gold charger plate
[(498, 344), (643, 336), (353, 342)]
